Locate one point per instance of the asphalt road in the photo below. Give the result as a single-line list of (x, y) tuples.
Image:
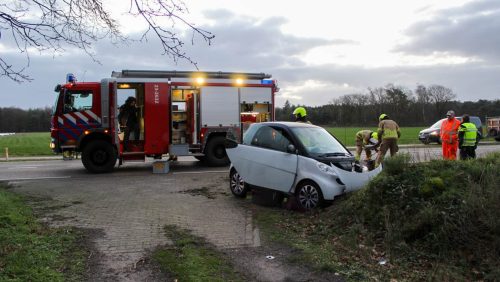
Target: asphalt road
[(55, 168)]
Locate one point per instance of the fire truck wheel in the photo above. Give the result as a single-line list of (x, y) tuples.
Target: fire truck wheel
[(200, 158), (215, 152), (99, 156)]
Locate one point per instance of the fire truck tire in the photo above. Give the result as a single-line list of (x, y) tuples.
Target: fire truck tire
[(215, 152), (99, 156), (200, 158)]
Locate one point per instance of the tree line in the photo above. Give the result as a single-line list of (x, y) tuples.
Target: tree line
[(420, 107), (19, 120)]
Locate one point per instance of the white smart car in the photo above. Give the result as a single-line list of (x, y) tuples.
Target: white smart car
[(295, 159)]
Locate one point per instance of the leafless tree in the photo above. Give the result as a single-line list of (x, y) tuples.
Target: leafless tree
[(440, 96), (423, 99), (56, 25)]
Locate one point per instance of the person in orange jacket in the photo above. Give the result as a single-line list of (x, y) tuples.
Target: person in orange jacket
[(449, 136)]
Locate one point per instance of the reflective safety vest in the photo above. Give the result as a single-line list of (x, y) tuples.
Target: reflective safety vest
[(364, 136), (388, 129), (449, 130), (470, 133)]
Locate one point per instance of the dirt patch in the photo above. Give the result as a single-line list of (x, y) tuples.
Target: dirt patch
[(203, 191), (272, 263), (145, 269)]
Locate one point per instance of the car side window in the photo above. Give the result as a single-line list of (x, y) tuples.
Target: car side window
[(271, 138), (248, 135)]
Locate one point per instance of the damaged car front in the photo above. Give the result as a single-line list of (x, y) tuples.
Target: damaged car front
[(295, 159)]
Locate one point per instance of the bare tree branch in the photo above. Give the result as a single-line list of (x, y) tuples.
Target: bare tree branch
[(56, 25)]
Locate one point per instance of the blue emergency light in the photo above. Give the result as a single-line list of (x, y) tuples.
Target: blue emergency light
[(266, 81), (70, 78)]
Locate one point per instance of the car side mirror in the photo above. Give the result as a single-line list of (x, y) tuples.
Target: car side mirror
[(230, 143), (291, 149)]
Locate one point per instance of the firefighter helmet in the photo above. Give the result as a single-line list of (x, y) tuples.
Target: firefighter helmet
[(383, 116), (300, 111)]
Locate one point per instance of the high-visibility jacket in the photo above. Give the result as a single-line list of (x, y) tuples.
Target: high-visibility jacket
[(364, 136), (449, 130), (388, 129), (468, 134)]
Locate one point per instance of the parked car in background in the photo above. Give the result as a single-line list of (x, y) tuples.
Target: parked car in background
[(493, 127), (431, 134), (294, 158)]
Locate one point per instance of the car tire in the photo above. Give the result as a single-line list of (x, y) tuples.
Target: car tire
[(99, 156), (439, 141), (493, 133), (236, 184), (215, 152), (426, 141), (308, 195)]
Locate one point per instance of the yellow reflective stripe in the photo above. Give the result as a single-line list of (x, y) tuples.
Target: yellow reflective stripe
[(390, 133)]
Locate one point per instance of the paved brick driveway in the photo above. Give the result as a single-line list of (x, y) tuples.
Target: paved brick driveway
[(132, 206)]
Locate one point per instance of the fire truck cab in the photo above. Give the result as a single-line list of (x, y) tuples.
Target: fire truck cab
[(180, 113)]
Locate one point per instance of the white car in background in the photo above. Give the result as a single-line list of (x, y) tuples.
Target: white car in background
[(294, 159)]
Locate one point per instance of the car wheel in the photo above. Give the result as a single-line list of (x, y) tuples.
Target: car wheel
[(238, 187), (439, 141), (426, 141), (99, 156), (308, 195), (493, 133)]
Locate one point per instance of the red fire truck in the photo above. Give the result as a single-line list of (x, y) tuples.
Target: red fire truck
[(180, 113)]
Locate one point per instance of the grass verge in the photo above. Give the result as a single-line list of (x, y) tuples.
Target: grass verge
[(30, 251), (192, 259), (438, 221), (26, 144), (347, 135)]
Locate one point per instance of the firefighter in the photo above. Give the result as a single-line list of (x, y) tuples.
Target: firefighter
[(467, 139), (301, 115), (366, 140), (128, 118), (449, 136), (388, 134)]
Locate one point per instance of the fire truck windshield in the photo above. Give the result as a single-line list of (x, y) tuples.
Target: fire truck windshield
[(54, 106)]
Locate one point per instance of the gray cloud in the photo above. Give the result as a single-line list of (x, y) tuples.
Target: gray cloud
[(471, 30), (245, 44)]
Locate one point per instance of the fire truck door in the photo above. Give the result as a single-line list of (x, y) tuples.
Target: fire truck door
[(78, 114), (192, 109), (156, 118)]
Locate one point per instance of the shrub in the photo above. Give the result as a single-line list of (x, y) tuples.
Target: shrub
[(445, 211)]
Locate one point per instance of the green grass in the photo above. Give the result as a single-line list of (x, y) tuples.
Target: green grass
[(192, 259), (26, 144), (438, 221), (347, 135), (30, 251)]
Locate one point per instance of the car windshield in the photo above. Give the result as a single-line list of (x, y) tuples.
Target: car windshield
[(318, 141), (437, 124)]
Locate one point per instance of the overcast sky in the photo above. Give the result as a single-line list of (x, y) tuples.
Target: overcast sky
[(317, 50)]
